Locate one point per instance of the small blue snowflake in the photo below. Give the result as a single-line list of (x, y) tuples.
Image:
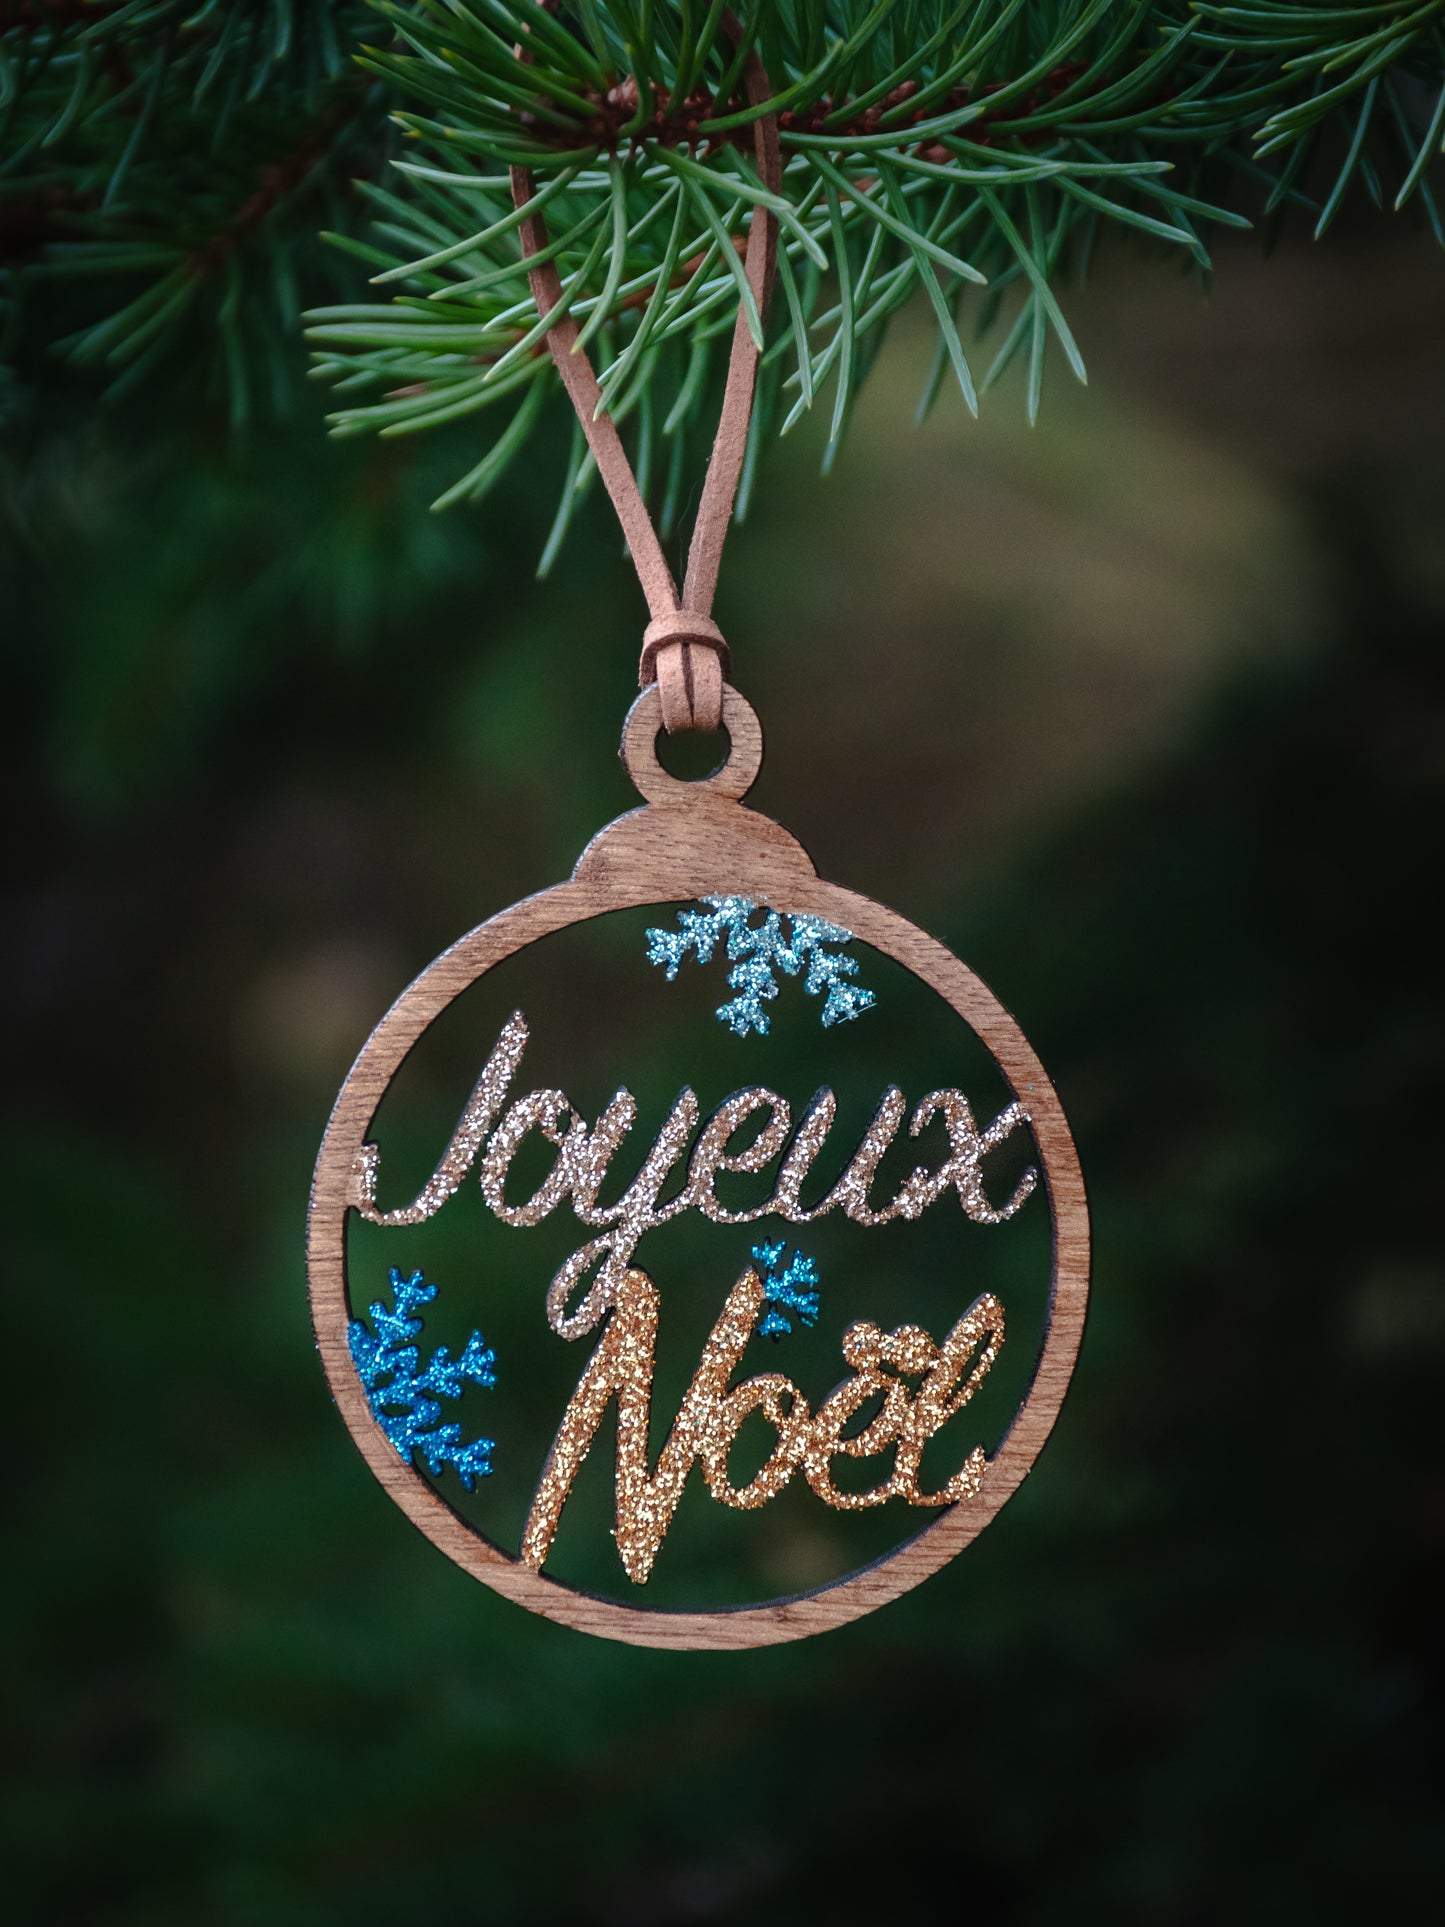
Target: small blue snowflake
[(786, 1288), (385, 1350), (757, 952)]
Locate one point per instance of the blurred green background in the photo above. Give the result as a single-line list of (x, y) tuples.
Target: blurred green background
[(1141, 712)]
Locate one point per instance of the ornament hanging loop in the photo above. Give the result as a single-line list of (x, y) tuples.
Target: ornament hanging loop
[(732, 778)]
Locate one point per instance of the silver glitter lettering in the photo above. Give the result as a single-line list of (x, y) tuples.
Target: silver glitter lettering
[(590, 1153), (636, 1211), (584, 1158), (962, 1167), (475, 1122), (808, 1141), (544, 1111), (711, 1155), (851, 1190)]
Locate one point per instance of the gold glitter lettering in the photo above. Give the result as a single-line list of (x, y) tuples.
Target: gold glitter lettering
[(828, 1440), (711, 1415), (621, 1368), (981, 1330), (770, 1393)]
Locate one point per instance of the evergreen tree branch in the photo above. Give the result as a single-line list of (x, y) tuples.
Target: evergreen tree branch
[(177, 160), (166, 168)]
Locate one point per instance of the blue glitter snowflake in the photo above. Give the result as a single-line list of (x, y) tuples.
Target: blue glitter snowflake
[(407, 1408), (757, 953), (790, 1288)]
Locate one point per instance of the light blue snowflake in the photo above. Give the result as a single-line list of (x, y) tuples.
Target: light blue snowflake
[(407, 1408), (757, 952), (786, 1288)]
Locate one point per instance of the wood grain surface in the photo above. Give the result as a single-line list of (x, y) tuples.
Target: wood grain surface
[(693, 840)]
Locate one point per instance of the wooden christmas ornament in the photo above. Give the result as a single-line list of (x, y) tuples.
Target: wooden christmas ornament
[(765, 911)]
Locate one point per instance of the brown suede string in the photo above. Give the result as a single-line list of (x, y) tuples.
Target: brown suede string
[(683, 650)]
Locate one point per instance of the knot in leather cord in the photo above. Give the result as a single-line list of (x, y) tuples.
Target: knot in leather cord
[(685, 655)]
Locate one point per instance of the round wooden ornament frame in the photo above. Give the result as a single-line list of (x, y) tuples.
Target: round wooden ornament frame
[(692, 840)]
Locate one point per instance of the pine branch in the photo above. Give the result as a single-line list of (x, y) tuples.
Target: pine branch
[(961, 154), (174, 161), (167, 166)]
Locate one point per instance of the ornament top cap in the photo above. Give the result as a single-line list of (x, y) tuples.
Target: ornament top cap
[(693, 838)]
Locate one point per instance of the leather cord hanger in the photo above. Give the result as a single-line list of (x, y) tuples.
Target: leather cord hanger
[(683, 649)]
